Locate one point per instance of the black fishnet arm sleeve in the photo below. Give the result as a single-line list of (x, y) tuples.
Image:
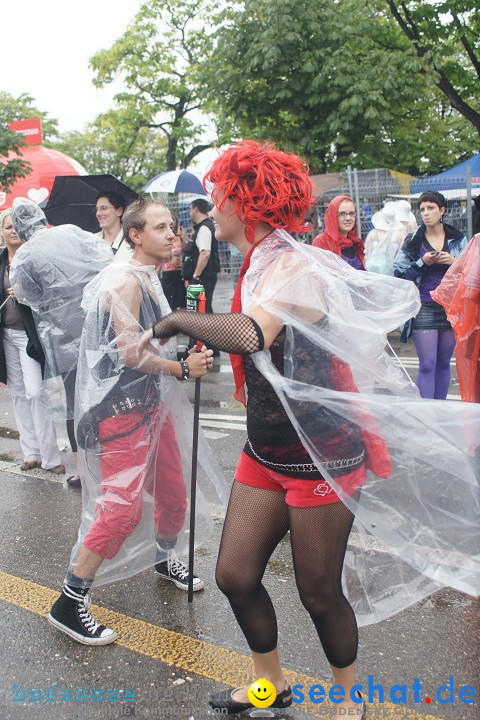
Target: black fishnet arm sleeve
[(231, 332)]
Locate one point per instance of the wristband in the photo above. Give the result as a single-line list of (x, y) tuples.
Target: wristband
[(185, 371)]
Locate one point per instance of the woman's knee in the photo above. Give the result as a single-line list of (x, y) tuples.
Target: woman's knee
[(233, 582), (319, 599)]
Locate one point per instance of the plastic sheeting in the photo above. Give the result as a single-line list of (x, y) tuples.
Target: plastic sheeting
[(136, 477), (418, 527), (49, 273), (459, 293)]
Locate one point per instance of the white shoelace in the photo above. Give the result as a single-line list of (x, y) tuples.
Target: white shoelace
[(176, 567), (87, 620)]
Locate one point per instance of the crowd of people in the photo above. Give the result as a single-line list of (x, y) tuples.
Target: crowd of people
[(306, 336)]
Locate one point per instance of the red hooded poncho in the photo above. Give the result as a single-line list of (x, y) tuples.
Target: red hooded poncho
[(332, 239)]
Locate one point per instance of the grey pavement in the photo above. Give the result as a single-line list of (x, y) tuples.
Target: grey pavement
[(433, 640)]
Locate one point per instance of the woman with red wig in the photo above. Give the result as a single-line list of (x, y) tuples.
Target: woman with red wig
[(306, 338), (340, 234)]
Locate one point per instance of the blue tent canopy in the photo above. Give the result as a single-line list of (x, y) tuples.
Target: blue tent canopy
[(450, 179)]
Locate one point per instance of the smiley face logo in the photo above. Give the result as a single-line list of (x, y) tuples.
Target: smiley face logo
[(262, 693)]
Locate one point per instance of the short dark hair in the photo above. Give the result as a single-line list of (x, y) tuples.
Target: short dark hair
[(432, 196), (134, 215), (202, 205), (113, 197)]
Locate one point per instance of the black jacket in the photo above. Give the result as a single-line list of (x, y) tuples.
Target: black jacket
[(213, 265), (34, 347)]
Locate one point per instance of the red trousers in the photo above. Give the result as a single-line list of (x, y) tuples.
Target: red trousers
[(130, 465)]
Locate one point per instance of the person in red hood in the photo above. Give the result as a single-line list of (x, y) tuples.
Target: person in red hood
[(340, 234)]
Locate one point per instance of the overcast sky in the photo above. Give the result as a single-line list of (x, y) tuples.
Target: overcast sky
[(45, 47)]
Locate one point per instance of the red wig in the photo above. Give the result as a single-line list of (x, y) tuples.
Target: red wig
[(264, 184)]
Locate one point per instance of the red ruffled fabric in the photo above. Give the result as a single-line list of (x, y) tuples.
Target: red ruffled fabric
[(237, 360), (377, 458), (459, 293), (332, 239)]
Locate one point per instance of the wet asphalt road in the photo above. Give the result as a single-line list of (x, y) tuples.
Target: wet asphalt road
[(433, 640)]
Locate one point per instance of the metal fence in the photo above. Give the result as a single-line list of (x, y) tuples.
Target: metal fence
[(369, 189)]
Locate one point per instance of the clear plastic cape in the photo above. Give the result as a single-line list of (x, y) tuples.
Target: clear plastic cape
[(145, 491), (417, 522), (49, 273)]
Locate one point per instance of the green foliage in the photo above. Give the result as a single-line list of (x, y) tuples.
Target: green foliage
[(11, 170), (19, 108), (115, 144), (337, 82), (22, 108), (159, 59), (445, 36)]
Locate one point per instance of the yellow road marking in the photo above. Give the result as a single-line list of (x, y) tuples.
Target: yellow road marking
[(186, 653)]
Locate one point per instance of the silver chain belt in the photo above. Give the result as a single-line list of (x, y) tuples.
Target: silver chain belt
[(311, 467)]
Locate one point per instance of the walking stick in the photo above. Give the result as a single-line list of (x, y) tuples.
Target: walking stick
[(196, 301)]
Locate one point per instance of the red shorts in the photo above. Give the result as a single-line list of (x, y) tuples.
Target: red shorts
[(298, 492)]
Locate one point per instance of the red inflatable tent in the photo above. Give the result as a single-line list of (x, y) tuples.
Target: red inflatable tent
[(37, 185)]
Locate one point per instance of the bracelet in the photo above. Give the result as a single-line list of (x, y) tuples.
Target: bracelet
[(185, 371)]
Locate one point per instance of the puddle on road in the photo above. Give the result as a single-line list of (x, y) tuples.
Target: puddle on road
[(442, 602)]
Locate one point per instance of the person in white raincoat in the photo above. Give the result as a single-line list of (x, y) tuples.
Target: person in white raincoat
[(335, 432), (49, 273), (132, 426)]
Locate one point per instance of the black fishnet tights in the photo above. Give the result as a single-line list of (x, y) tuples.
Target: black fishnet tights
[(230, 332), (256, 521)]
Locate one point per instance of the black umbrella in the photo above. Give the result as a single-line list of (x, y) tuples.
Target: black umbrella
[(73, 197)]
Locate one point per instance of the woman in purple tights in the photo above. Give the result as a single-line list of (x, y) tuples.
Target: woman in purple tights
[(425, 258)]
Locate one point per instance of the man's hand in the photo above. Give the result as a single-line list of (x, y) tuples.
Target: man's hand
[(145, 345), (199, 361)]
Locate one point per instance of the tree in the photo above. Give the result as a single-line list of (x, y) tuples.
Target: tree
[(333, 82), (158, 59), (11, 170), (19, 108), (113, 144), (446, 38), (23, 107)]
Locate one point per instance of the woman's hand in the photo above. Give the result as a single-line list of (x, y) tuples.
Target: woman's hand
[(11, 293), (199, 362), (444, 258), (431, 257)]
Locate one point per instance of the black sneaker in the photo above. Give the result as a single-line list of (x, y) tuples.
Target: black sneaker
[(174, 570), (70, 615)]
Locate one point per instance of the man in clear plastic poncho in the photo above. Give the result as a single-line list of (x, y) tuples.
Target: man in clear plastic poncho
[(133, 426), (49, 273), (336, 433)]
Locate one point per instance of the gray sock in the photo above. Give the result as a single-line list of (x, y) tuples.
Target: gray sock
[(163, 546), (76, 582)]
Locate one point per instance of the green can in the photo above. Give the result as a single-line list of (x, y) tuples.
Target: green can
[(193, 291)]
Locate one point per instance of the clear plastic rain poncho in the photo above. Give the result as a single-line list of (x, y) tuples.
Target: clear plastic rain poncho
[(417, 524), (134, 426), (49, 273), (381, 244)]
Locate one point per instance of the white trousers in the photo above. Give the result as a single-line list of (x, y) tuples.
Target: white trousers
[(30, 401)]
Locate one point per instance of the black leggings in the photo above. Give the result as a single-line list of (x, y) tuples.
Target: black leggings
[(256, 522)]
